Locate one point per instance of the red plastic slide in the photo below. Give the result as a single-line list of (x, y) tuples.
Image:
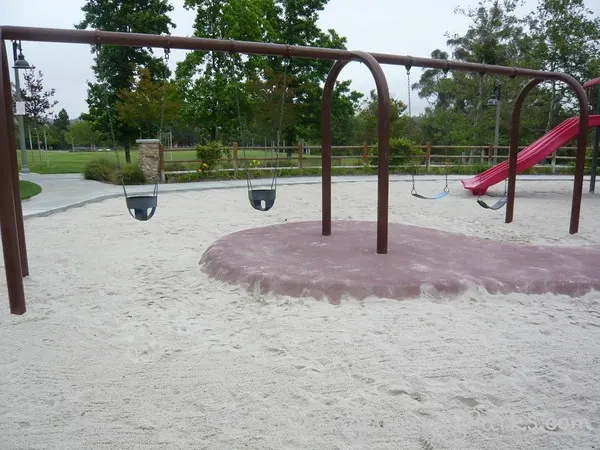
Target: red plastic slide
[(530, 155)]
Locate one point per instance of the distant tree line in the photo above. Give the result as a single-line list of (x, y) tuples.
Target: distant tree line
[(253, 99)]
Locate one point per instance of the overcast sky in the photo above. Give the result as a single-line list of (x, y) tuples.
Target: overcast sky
[(387, 26)]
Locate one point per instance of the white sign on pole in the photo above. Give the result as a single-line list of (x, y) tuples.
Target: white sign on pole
[(20, 109)]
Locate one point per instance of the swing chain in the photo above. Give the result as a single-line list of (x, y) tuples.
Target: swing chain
[(111, 127), (412, 155), (164, 90), (408, 66)]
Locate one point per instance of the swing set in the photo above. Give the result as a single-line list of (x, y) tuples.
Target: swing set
[(11, 214)]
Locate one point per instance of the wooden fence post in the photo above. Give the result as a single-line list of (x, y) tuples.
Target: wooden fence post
[(300, 152), (365, 154), (427, 155), (161, 163), (490, 154), (553, 162), (235, 158)]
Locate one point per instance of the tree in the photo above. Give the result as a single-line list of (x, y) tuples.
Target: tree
[(60, 126), (566, 39), (62, 122), (295, 23), (225, 91), (38, 101), (150, 105), (212, 82), (83, 134), (114, 66), (458, 114), (368, 117)]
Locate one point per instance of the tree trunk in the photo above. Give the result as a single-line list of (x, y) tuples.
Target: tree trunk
[(551, 112), (37, 138), (127, 153)]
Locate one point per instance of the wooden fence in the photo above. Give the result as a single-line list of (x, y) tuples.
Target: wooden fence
[(357, 156)]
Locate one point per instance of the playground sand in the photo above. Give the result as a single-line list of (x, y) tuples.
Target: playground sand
[(127, 343)]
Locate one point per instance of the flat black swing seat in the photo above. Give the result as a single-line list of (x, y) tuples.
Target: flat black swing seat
[(142, 207), (499, 204), (262, 199)]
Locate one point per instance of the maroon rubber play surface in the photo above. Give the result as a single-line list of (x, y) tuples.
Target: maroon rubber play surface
[(295, 259)]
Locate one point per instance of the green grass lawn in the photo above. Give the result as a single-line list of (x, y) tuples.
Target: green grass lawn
[(74, 162), (67, 162), (28, 189)]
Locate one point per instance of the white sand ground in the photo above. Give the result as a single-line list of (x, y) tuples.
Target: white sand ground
[(127, 344)]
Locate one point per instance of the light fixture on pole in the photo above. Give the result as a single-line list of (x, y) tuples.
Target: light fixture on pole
[(20, 63)]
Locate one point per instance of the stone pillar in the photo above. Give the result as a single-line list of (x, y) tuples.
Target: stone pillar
[(149, 158)]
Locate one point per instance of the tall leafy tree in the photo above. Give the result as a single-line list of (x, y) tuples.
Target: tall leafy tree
[(223, 90), (115, 66), (213, 82), (458, 112), (60, 127), (368, 117), (150, 106), (295, 23), (38, 101), (566, 36), (82, 133), (62, 122)]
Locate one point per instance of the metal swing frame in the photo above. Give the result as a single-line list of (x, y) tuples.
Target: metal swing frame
[(11, 214), (413, 191)]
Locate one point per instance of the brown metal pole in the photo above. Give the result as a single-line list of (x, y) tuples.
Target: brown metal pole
[(383, 137), (14, 166), (8, 220), (326, 145), (513, 150), (584, 114)]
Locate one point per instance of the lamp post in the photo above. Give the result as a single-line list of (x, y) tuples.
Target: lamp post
[(20, 64), (495, 100)]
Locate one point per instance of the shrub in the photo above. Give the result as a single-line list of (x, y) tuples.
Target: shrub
[(106, 171), (402, 152), (100, 169), (210, 153), (132, 174)]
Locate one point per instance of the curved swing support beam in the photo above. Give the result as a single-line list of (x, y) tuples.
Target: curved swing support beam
[(383, 133), (581, 147)]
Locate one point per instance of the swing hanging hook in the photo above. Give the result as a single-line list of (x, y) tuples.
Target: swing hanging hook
[(409, 65), (447, 68), (483, 70)]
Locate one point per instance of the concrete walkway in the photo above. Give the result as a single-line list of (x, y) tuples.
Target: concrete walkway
[(63, 191)]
